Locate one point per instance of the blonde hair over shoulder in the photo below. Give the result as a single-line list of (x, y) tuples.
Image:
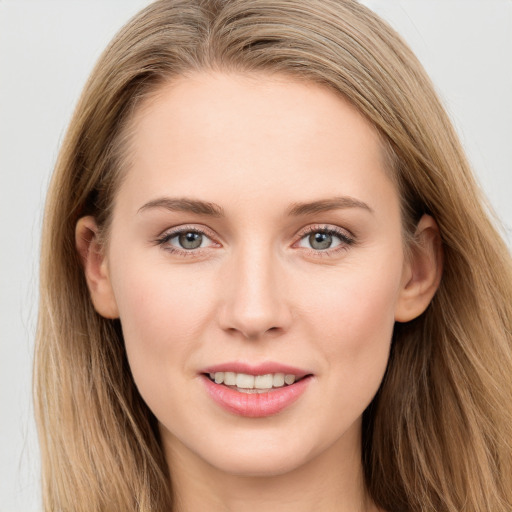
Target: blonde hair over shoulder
[(438, 435)]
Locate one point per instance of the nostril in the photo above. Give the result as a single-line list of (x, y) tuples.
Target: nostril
[(251, 316)]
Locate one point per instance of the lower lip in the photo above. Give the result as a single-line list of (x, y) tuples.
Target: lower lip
[(255, 405)]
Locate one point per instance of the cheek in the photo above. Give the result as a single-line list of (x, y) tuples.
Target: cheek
[(154, 308), (352, 322), (162, 313), (354, 302)]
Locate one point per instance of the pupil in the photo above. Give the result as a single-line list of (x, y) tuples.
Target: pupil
[(190, 240), (320, 240)]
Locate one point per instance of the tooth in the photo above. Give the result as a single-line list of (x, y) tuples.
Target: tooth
[(278, 380), (263, 381), (289, 379), (230, 378), (244, 381)]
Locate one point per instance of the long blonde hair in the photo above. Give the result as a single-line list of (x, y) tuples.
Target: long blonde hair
[(437, 437)]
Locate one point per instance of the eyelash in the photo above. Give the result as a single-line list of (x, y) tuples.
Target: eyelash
[(346, 240), (169, 235)]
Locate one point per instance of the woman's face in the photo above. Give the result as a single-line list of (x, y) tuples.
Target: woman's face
[(256, 233)]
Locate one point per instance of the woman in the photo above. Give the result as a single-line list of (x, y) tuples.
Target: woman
[(268, 277)]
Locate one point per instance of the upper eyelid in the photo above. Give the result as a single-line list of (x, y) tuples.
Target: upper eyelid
[(300, 233), (176, 230), (326, 228)]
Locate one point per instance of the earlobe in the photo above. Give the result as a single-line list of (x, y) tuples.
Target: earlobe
[(95, 267), (422, 271)]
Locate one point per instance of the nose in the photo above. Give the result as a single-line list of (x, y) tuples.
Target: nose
[(254, 299)]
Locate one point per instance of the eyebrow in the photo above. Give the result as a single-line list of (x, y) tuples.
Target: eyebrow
[(214, 210), (184, 205), (325, 205)]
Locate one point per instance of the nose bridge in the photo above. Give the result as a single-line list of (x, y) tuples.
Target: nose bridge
[(254, 302)]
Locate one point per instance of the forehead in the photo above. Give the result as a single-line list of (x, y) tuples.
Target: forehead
[(262, 133), (264, 103)]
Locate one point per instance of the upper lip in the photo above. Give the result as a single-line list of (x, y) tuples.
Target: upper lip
[(257, 369)]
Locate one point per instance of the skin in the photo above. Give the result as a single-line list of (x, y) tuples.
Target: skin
[(257, 290)]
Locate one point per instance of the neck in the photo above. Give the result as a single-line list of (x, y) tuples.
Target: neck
[(330, 482)]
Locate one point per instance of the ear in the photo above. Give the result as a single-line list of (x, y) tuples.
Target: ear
[(95, 266), (422, 271)]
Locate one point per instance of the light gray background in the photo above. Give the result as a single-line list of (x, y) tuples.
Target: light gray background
[(48, 47)]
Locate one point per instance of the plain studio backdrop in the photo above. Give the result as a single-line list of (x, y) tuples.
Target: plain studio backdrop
[(48, 48)]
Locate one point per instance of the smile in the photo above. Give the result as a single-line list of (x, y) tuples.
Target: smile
[(255, 392), (245, 383)]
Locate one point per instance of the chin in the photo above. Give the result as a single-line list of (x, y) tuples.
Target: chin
[(259, 465), (262, 454)]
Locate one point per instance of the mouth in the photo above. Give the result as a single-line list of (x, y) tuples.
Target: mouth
[(246, 383), (255, 391)]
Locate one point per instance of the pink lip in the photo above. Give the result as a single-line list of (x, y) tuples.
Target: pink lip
[(256, 405), (258, 369)]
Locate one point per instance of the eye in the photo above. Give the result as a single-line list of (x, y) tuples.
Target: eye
[(189, 240), (185, 240), (323, 239)]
